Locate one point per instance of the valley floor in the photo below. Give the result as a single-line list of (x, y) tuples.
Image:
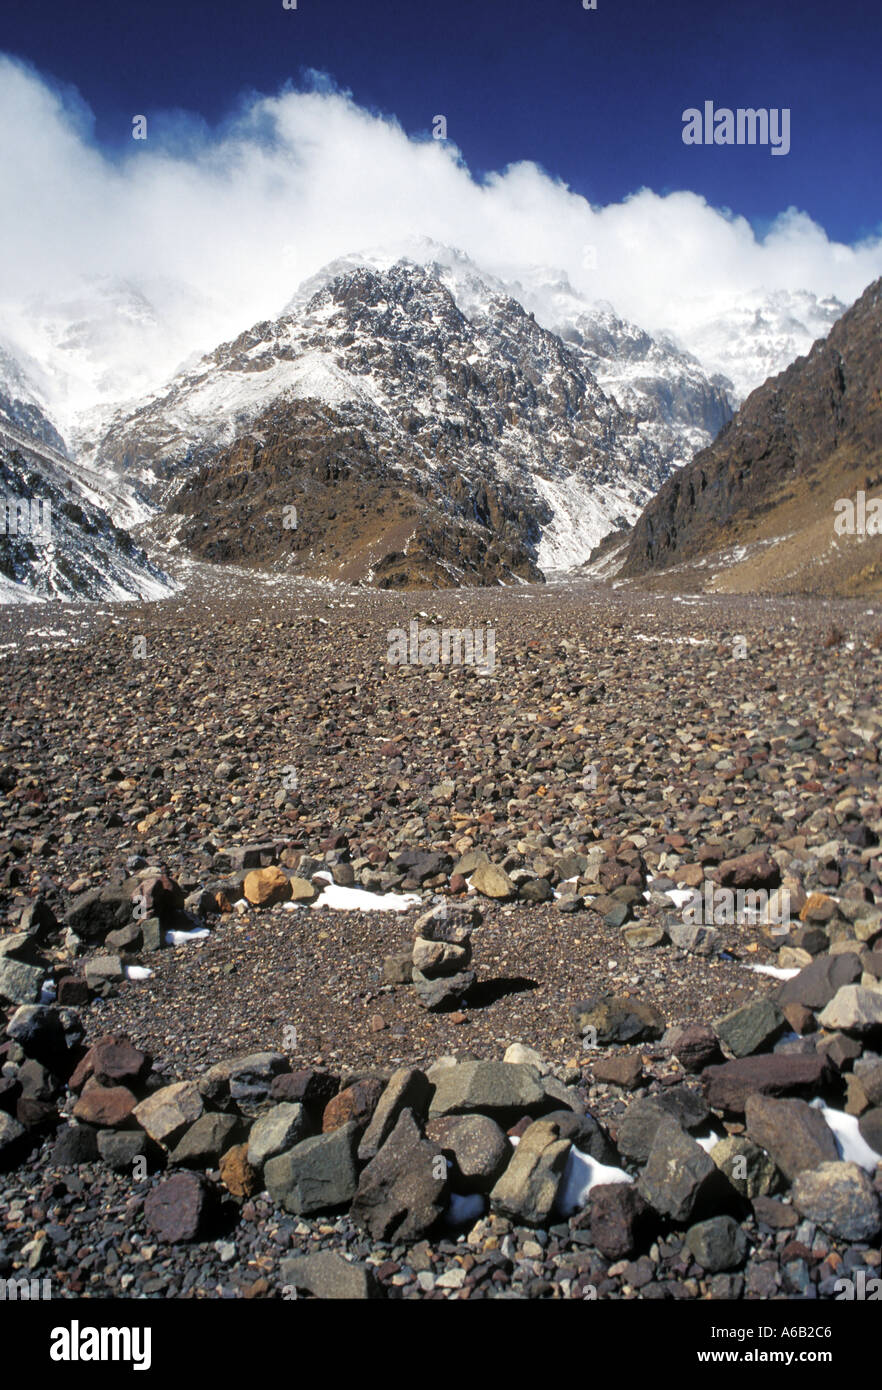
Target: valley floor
[(249, 710)]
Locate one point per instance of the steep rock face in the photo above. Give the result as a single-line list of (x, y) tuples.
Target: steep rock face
[(661, 386), (506, 456), (56, 539), (769, 482), (306, 492)]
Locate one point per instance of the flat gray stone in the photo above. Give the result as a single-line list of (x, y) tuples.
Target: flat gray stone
[(319, 1174), (407, 1089), (854, 1009), (20, 983), (503, 1090), (206, 1141), (328, 1275), (167, 1113), (279, 1129), (443, 994), (250, 1076)]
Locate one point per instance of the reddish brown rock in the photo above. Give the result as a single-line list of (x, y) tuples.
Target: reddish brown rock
[(688, 875), (179, 1209), (108, 1106), (797, 1137), (754, 870), (801, 1019), (728, 1087), (113, 1061), (38, 1116), (357, 1104), (818, 908), (237, 1174), (697, 1047), (626, 1072), (72, 991), (158, 896), (619, 1219)]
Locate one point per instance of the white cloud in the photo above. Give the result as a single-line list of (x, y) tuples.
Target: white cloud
[(218, 227)]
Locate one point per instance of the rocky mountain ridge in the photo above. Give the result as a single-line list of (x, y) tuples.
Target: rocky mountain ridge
[(489, 418), (759, 505)]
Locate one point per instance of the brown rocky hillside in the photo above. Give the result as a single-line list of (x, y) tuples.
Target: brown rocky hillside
[(755, 511)]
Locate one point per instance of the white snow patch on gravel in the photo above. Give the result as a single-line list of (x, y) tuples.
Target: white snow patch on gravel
[(851, 1144), (579, 1176), (360, 900), (138, 972), (777, 971)]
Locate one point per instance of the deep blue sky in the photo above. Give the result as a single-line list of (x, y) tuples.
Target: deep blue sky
[(594, 96)]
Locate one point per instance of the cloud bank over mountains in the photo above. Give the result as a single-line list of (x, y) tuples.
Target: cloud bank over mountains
[(194, 233)]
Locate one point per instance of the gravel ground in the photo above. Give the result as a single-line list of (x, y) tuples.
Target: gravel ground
[(713, 726)]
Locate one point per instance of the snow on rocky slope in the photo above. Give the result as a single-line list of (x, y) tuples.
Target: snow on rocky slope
[(442, 367), (62, 524), (446, 368)]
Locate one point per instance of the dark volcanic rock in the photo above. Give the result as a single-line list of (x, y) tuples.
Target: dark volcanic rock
[(717, 1244), (727, 1087), (796, 1136), (76, 1144), (620, 1220), (680, 1180), (753, 1026), (637, 1130), (401, 1192), (478, 1149), (817, 984), (180, 1208)]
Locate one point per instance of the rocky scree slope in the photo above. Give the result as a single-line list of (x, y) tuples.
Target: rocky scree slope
[(759, 503)]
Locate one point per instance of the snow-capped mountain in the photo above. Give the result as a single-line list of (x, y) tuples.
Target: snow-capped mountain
[(101, 344), (61, 523), (514, 403), (755, 335), (441, 369)]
